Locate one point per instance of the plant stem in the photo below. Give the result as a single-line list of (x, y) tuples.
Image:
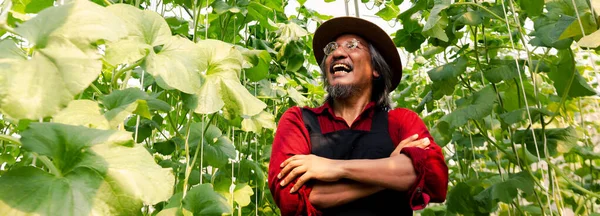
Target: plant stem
[(573, 184), (125, 69), (482, 7), (200, 145), (10, 139), (48, 163)]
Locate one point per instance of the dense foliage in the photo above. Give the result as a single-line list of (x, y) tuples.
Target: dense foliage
[(169, 107)]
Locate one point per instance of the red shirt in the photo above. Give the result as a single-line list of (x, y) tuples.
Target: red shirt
[(292, 138)]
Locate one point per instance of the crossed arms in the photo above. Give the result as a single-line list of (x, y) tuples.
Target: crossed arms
[(336, 182)]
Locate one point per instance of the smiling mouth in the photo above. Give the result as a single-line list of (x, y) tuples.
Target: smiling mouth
[(340, 67)]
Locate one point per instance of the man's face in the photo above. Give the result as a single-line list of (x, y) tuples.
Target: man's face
[(348, 68)]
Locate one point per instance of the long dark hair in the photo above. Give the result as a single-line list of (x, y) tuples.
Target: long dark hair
[(381, 84)]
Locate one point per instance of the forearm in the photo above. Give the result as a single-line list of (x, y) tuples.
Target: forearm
[(331, 194), (396, 172)]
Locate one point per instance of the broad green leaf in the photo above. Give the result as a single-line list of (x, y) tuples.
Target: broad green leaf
[(567, 79), (203, 200), (242, 194), (251, 171), (297, 97), (262, 14), (533, 7), (548, 31), (217, 149), (389, 12), (127, 50), (574, 26), (145, 26), (591, 40), (222, 82), (410, 36), (100, 173), (460, 199), (42, 85), (472, 18), (9, 50), (258, 122), (290, 32), (260, 59), (475, 107), (84, 113), (80, 21), (434, 15), (558, 140), (522, 115), (437, 30), (174, 61), (122, 103), (445, 77), (506, 191), (501, 72)]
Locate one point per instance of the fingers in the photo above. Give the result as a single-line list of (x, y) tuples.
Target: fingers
[(303, 179), (290, 165), (408, 140), (292, 175), (293, 158)]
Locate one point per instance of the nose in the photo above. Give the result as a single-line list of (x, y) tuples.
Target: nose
[(339, 53)]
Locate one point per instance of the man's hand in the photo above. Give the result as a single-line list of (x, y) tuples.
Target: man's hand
[(308, 167), (411, 142)]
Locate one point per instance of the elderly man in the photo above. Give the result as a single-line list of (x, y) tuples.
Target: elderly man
[(354, 155)]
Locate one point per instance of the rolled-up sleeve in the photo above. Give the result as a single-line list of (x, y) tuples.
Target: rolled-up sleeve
[(291, 138), (430, 166)]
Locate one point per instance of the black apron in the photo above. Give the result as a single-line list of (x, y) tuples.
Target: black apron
[(357, 144)]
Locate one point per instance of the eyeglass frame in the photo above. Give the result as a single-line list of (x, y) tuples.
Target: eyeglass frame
[(354, 42)]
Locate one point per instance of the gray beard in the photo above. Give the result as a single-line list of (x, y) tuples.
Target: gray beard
[(342, 91)]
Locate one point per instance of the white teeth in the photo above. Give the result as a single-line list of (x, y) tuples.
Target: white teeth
[(337, 67)]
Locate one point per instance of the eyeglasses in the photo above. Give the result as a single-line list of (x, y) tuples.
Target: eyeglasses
[(348, 46)]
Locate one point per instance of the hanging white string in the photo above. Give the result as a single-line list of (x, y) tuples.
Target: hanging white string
[(523, 90)]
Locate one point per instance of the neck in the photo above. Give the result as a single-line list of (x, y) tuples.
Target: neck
[(349, 108)]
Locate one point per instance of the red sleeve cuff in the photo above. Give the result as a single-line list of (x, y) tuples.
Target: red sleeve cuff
[(418, 197)]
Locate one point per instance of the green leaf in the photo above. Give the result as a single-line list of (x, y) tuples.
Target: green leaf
[(472, 18), (590, 41), (36, 6), (80, 21), (222, 82), (175, 66), (460, 199), (297, 97), (9, 50), (548, 31), (164, 147), (290, 32), (251, 171), (260, 59), (505, 70), (445, 77), (574, 26), (82, 112), (410, 36), (262, 13), (258, 122), (122, 103), (506, 191), (47, 81), (521, 115), (475, 107), (558, 140), (100, 172), (533, 7), (434, 15), (218, 149), (567, 78), (242, 194), (389, 12), (203, 200)]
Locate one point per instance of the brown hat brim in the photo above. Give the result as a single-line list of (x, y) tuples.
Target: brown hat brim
[(333, 28)]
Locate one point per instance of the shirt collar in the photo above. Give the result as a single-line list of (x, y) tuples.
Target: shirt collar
[(326, 107)]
